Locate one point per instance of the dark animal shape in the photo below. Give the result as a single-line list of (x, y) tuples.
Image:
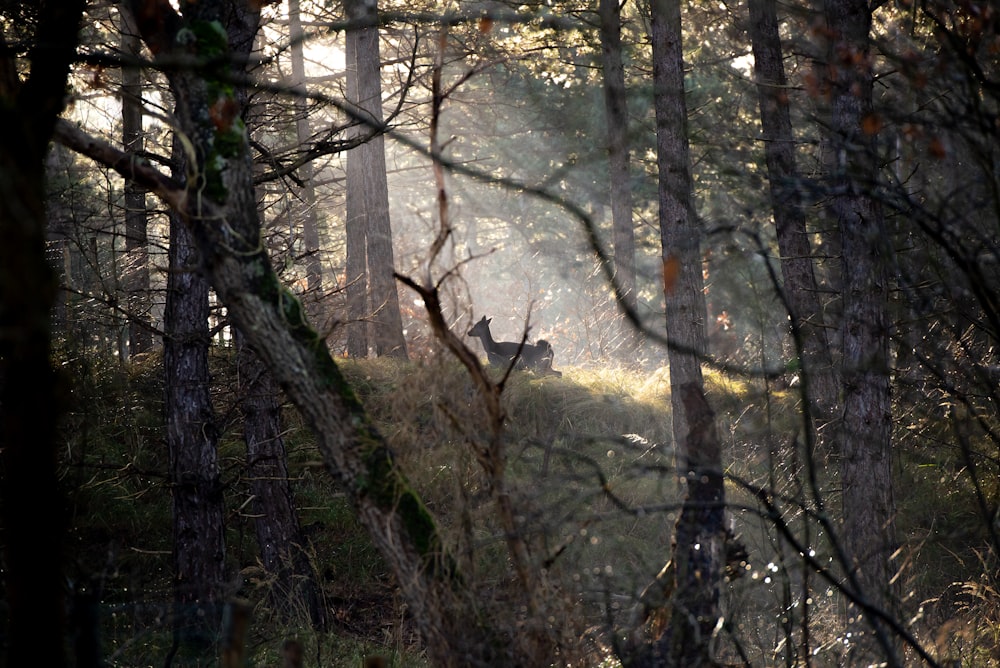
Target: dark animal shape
[(536, 356)]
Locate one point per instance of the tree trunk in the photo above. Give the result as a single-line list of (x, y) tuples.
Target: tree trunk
[(800, 288), (192, 440), (680, 237), (866, 471), (307, 196), (136, 269), (699, 542), (30, 396), (358, 312), (279, 537), (386, 319), (616, 110), (699, 537)]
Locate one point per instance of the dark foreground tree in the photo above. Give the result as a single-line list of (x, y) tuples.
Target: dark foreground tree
[(30, 398), (199, 546)]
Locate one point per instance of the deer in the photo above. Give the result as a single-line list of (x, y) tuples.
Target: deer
[(524, 355)]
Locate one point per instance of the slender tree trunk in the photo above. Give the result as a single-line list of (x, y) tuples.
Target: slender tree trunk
[(699, 542), (136, 269), (283, 549), (680, 236), (192, 440), (358, 312), (307, 195), (616, 111), (34, 520), (866, 470), (700, 536), (279, 536), (386, 319), (800, 288)]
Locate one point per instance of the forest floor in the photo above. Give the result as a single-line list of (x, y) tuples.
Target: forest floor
[(570, 440)]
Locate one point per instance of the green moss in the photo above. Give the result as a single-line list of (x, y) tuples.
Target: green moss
[(211, 38), (382, 482), (385, 485), (229, 143)]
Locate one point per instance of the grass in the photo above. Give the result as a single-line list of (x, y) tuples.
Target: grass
[(590, 469)]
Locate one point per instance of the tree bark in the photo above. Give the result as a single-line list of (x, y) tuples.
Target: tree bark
[(800, 288), (192, 439), (680, 237), (307, 195), (283, 549), (616, 112), (358, 311), (31, 399), (387, 322), (866, 470), (698, 541)]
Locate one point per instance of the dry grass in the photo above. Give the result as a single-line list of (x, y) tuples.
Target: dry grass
[(590, 469)]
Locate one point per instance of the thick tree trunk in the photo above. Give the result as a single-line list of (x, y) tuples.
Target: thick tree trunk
[(192, 439), (797, 271), (136, 269), (199, 538), (866, 470), (386, 319), (616, 111), (34, 520)]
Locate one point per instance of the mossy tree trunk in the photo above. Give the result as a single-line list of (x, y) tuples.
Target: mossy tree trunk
[(279, 536)]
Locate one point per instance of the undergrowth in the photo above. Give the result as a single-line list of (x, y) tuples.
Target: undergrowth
[(590, 465)]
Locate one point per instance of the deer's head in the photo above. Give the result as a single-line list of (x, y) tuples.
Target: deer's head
[(481, 328)]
